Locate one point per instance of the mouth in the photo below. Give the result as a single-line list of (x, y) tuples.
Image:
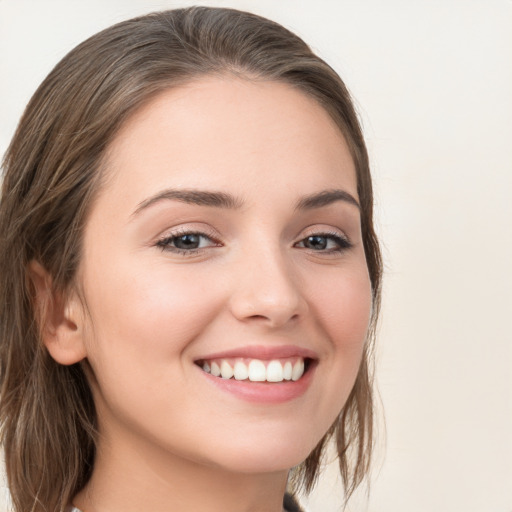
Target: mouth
[(261, 374), (278, 370)]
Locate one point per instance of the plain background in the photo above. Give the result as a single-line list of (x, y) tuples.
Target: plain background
[(432, 81)]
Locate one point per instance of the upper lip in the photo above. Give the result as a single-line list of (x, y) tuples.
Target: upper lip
[(263, 352)]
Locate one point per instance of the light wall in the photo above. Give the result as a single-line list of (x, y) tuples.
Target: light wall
[(432, 81)]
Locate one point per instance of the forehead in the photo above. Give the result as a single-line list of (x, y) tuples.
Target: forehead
[(224, 131)]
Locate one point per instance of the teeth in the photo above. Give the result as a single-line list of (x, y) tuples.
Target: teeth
[(215, 370), (287, 371), (275, 371), (225, 370), (298, 369), (241, 372), (256, 370)]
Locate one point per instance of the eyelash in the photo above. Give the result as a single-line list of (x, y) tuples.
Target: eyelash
[(342, 242), (165, 244)]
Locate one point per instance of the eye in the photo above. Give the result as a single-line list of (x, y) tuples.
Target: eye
[(325, 242), (186, 242)]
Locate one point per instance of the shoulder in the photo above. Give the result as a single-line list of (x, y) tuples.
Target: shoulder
[(290, 504)]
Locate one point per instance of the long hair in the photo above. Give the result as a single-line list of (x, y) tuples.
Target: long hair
[(52, 171)]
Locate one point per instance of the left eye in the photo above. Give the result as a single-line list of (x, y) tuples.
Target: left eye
[(186, 242), (324, 242)]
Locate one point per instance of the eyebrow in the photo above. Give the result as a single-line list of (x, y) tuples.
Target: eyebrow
[(325, 198), (224, 200), (197, 197)]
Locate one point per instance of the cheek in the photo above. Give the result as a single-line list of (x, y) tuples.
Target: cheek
[(345, 308), (153, 313), (142, 328)]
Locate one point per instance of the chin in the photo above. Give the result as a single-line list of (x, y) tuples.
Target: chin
[(266, 455), (262, 463)]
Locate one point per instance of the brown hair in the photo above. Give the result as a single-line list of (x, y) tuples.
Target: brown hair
[(52, 171)]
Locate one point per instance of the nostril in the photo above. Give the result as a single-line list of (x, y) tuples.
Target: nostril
[(271, 295)]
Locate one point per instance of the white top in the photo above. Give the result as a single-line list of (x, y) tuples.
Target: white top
[(74, 509)]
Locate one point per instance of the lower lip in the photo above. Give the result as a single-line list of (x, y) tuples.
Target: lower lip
[(264, 392)]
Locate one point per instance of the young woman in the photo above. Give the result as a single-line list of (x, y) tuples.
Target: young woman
[(189, 273)]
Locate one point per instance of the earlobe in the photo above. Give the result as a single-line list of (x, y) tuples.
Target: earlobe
[(59, 317)]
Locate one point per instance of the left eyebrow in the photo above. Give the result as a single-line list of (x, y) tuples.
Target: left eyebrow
[(325, 198)]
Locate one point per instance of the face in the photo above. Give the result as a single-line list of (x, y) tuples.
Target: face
[(226, 239)]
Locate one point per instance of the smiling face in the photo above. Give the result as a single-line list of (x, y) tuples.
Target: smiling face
[(226, 239)]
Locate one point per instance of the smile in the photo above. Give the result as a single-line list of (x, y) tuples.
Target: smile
[(256, 370), (261, 374)]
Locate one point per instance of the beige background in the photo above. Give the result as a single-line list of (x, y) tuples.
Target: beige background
[(432, 81)]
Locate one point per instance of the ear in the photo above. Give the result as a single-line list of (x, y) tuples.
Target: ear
[(60, 318)]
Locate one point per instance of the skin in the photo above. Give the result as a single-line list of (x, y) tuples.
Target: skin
[(169, 439)]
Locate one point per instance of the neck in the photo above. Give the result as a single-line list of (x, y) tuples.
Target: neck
[(130, 477)]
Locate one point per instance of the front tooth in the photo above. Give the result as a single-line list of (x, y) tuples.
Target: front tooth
[(275, 371), (206, 367), (225, 370), (240, 371), (298, 369), (257, 371), (287, 371), (215, 370)]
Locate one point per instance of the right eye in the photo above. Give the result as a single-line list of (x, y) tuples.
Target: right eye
[(186, 243)]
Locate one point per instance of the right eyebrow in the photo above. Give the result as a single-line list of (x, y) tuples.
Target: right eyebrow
[(192, 196)]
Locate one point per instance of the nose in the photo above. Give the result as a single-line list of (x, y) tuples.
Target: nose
[(267, 290)]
